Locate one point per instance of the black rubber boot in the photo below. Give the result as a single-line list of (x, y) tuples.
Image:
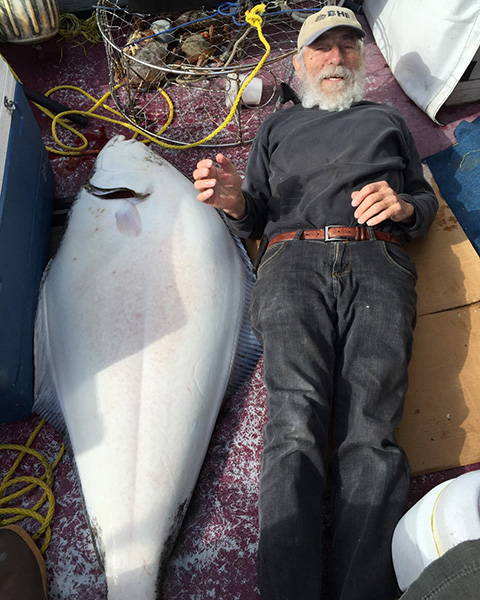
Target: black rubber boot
[(22, 568)]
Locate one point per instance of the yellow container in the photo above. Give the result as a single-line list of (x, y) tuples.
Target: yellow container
[(28, 21)]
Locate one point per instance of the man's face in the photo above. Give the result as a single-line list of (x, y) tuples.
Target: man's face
[(336, 47), (332, 65)]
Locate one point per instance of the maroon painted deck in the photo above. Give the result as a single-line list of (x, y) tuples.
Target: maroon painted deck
[(216, 551)]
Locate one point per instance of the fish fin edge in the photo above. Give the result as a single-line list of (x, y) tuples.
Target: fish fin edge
[(46, 403), (248, 349)]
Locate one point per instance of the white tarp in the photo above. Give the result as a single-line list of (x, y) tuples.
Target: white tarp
[(428, 44)]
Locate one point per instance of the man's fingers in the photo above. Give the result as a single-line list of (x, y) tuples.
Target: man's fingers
[(371, 205), (202, 173), (383, 216), (205, 195), (371, 188), (227, 167), (219, 184), (206, 163), (377, 202), (203, 184), (224, 162), (376, 213)]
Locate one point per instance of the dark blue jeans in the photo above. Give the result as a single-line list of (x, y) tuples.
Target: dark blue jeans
[(336, 322)]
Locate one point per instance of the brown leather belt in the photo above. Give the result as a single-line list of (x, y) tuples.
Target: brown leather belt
[(335, 233)]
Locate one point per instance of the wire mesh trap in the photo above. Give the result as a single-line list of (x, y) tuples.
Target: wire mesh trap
[(176, 75)]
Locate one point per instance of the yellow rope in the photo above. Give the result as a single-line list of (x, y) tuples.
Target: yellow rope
[(77, 150), (70, 27), (45, 482)]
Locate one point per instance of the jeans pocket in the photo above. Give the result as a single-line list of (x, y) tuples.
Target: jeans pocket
[(397, 257), (271, 254)]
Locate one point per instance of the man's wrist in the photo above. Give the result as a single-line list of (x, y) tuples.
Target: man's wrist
[(239, 211), (409, 209)]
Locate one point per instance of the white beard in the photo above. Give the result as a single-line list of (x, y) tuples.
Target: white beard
[(347, 92)]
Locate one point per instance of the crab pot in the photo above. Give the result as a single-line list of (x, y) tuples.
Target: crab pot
[(199, 62)]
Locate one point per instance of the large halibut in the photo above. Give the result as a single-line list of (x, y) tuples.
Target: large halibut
[(142, 313)]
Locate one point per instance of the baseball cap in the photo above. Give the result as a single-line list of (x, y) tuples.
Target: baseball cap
[(324, 20)]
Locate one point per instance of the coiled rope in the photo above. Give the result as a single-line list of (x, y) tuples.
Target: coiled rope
[(44, 482), (70, 27), (79, 150)]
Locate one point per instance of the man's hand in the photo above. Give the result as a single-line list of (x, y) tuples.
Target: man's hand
[(220, 186), (377, 202)]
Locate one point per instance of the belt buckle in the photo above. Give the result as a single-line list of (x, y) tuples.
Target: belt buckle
[(333, 238)]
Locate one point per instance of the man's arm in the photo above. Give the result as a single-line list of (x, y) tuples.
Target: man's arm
[(413, 207), (244, 203), (417, 192)]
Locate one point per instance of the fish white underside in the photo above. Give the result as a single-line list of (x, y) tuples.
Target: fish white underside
[(135, 341)]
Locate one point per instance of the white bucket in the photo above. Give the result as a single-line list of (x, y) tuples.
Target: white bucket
[(251, 95)]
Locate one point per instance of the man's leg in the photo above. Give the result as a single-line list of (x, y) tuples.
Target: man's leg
[(370, 473), (294, 323)]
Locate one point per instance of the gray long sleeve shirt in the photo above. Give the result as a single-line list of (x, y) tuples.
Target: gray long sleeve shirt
[(305, 163)]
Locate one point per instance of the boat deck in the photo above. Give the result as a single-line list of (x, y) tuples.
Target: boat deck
[(216, 550)]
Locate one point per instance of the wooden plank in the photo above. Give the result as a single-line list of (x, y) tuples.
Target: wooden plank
[(447, 264), (441, 424)]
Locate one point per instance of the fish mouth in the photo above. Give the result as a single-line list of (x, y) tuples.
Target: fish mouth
[(120, 193)]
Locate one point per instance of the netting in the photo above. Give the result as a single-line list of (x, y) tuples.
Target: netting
[(199, 58)]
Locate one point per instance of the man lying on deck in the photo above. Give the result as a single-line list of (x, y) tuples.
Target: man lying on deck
[(335, 186)]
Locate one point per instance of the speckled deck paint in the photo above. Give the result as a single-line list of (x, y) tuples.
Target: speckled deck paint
[(215, 553)]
